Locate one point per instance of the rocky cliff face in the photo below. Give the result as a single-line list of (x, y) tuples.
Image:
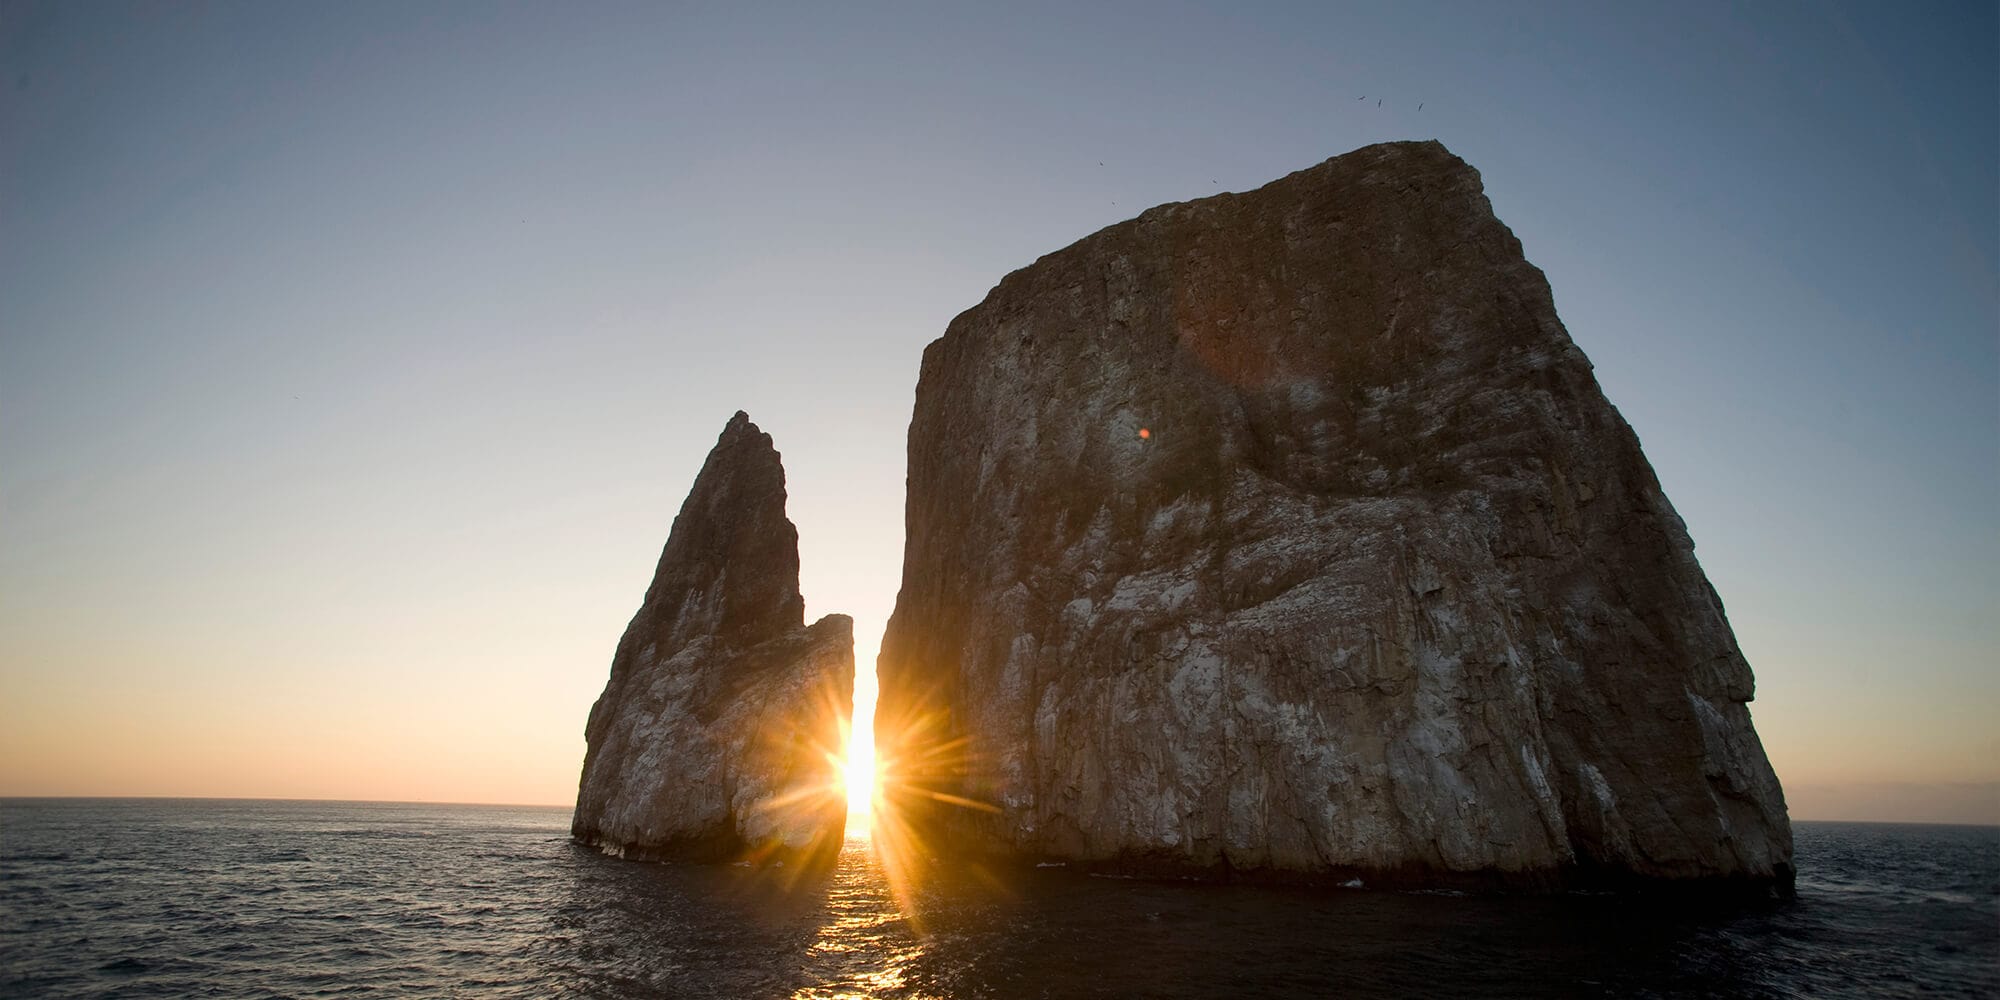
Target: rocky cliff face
[(710, 740), (1288, 532)]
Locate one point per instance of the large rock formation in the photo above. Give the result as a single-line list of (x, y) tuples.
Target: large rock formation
[(710, 741), (1288, 532)]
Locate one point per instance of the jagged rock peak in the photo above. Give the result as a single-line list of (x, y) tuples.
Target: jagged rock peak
[(730, 568), (1288, 532), (709, 740)]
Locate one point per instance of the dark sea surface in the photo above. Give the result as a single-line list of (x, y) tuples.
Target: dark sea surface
[(206, 898)]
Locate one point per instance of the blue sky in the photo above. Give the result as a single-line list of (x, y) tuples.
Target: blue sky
[(354, 358)]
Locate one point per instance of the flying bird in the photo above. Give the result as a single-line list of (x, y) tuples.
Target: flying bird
[(1378, 102), (1420, 105)]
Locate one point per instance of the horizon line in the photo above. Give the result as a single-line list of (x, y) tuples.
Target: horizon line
[(572, 806)]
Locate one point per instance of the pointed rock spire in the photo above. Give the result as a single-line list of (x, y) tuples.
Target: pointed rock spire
[(730, 568), (711, 737)]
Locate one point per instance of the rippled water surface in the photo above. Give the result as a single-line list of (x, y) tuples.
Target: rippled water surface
[(159, 898)]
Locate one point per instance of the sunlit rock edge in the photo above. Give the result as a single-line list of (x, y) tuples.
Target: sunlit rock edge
[(1386, 590)]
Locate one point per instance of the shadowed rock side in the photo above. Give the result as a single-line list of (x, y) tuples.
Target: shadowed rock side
[(1288, 533), (710, 740)]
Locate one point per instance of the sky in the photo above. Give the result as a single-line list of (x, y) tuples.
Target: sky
[(355, 358)]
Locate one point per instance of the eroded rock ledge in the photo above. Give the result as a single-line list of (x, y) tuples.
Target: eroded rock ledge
[(1288, 534), (710, 740)]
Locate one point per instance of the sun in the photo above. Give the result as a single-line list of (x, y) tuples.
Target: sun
[(859, 772), (860, 780)]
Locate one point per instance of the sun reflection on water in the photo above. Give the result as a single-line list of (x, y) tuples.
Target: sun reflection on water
[(866, 938), (872, 931)]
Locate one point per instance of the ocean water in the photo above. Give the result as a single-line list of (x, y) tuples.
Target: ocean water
[(206, 898)]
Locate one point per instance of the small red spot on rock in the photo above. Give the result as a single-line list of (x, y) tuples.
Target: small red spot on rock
[(1144, 433)]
